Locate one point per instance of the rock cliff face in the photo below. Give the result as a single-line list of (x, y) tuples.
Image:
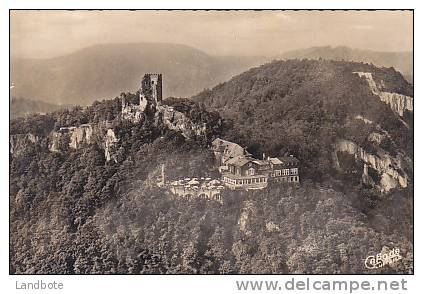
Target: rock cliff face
[(81, 135), (76, 137), (103, 134), (18, 142), (110, 141), (247, 211), (397, 102), (390, 169), (177, 121)]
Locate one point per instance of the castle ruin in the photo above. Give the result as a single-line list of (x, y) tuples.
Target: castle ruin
[(150, 94)]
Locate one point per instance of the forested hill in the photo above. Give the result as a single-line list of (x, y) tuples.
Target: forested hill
[(103, 71), (302, 107), (401, 61), (74, 212)]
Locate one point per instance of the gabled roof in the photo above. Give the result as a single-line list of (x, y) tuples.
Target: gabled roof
[(275, 160), (238, 161), (260, 162)]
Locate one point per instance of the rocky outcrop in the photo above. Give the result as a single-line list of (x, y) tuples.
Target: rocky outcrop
[(18, 142), (390, 169), (110, 141), (376, 137), (365, 120), (397, 102), (75, 137), (247, 211), (54, 145), (81, 135), (78, 136), (178, 121)]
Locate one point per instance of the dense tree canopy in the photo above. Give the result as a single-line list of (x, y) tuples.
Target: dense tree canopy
[(74, 212)]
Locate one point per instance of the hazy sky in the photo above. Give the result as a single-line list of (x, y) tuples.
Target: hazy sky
[(43, 34)]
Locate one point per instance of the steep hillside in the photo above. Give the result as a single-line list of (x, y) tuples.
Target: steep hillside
[(316, 109), (85, 200), (402, 61), (106, 70)]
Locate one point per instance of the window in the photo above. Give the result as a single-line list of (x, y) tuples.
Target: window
[(285, 172), (294, 171), (251, 171)]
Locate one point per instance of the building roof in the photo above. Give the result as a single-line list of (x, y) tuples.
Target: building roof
[(275, 160), (238, 161), (260, 162)]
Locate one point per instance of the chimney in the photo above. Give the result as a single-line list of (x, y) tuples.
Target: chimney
[(264, 156)]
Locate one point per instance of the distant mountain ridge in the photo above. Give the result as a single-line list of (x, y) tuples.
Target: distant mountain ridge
[(104, 71), (402, 61), (21, 107)]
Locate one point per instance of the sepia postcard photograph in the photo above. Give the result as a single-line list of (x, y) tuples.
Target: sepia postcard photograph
[(211, 142)]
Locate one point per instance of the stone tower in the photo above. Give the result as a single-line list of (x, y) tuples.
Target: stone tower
[(151, 91)]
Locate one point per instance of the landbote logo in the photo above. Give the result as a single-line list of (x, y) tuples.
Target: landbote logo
[(383, 258)]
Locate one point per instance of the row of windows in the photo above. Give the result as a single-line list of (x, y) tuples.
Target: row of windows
[(288, 179), (286, 172), (245, 181), (259, 180)]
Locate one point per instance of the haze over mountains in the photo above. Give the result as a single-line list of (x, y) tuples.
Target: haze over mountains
[(104, 71)]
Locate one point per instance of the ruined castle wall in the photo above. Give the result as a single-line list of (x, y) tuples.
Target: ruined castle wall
[(177, 121)]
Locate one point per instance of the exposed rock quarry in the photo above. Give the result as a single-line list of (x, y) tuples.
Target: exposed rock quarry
[(177, 121), (398, 102), (389, 168)]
